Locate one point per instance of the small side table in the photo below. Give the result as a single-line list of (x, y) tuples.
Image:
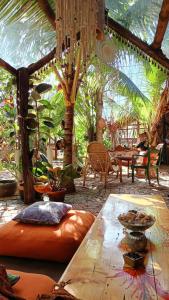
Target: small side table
[(120, 159)]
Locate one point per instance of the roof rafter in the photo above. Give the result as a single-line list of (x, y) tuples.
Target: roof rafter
[(45, 7), (151, 50), (162, 25), (42, 62), (7, 67), (125, 33), (157, 55)]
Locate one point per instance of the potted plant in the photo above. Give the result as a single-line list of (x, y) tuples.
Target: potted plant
[(57, 180)]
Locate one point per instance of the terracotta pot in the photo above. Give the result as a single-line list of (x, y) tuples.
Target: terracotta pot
[(42, 188), (57, 196), (7, 187)]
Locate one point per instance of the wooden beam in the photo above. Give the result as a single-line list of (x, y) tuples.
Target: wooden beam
[(22, 103), (157, 55), (48, 11), (162, 25), (42, 62), (7, 67)]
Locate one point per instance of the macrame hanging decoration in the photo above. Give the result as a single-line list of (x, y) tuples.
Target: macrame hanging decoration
[(78, 23)]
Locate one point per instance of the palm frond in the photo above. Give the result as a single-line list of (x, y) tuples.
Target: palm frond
[(127, 87), (138, 16)]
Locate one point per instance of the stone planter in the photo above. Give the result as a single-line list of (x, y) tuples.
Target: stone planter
[(7, 187)]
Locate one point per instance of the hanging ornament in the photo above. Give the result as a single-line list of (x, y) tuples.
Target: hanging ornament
[(78, 23), (106, 51)]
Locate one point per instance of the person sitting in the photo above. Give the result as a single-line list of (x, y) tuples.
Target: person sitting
[(143, 144)]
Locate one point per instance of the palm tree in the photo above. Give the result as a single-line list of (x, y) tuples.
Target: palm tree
[(29, 17)]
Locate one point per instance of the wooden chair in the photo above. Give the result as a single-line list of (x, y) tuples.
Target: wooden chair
[(99, 161), (151, 161)]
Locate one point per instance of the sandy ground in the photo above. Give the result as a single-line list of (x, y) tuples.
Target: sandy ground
[(93, 195), (90, 198)]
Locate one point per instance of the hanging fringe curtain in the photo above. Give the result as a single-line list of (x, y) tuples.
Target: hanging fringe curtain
[(78, 22)]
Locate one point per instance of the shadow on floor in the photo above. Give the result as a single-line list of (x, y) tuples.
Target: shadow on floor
[(49, 268)]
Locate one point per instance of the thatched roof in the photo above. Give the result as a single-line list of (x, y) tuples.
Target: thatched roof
[(34, 24), (161, 112)]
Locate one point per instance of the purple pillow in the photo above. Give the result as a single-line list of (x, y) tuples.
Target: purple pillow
[(43, 212)]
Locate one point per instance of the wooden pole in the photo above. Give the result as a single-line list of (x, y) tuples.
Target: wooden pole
[(22, 95)]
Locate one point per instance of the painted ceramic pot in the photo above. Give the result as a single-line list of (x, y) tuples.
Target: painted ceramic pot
[(136, 241)]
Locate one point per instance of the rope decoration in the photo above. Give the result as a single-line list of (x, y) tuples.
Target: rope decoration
[(78, 23)]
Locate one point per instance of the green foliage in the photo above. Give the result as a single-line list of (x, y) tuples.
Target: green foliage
[(57, 178), (24, 23), (127, 88), (11, 166), (52, 116), (8, 127)]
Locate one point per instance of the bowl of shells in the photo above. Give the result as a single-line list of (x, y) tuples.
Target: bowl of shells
[(136, 220)]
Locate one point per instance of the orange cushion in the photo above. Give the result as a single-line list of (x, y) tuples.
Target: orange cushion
[(58, 242), (31, 285)]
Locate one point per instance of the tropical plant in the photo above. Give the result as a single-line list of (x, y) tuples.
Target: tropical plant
[(57, 178), (139, 16)]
